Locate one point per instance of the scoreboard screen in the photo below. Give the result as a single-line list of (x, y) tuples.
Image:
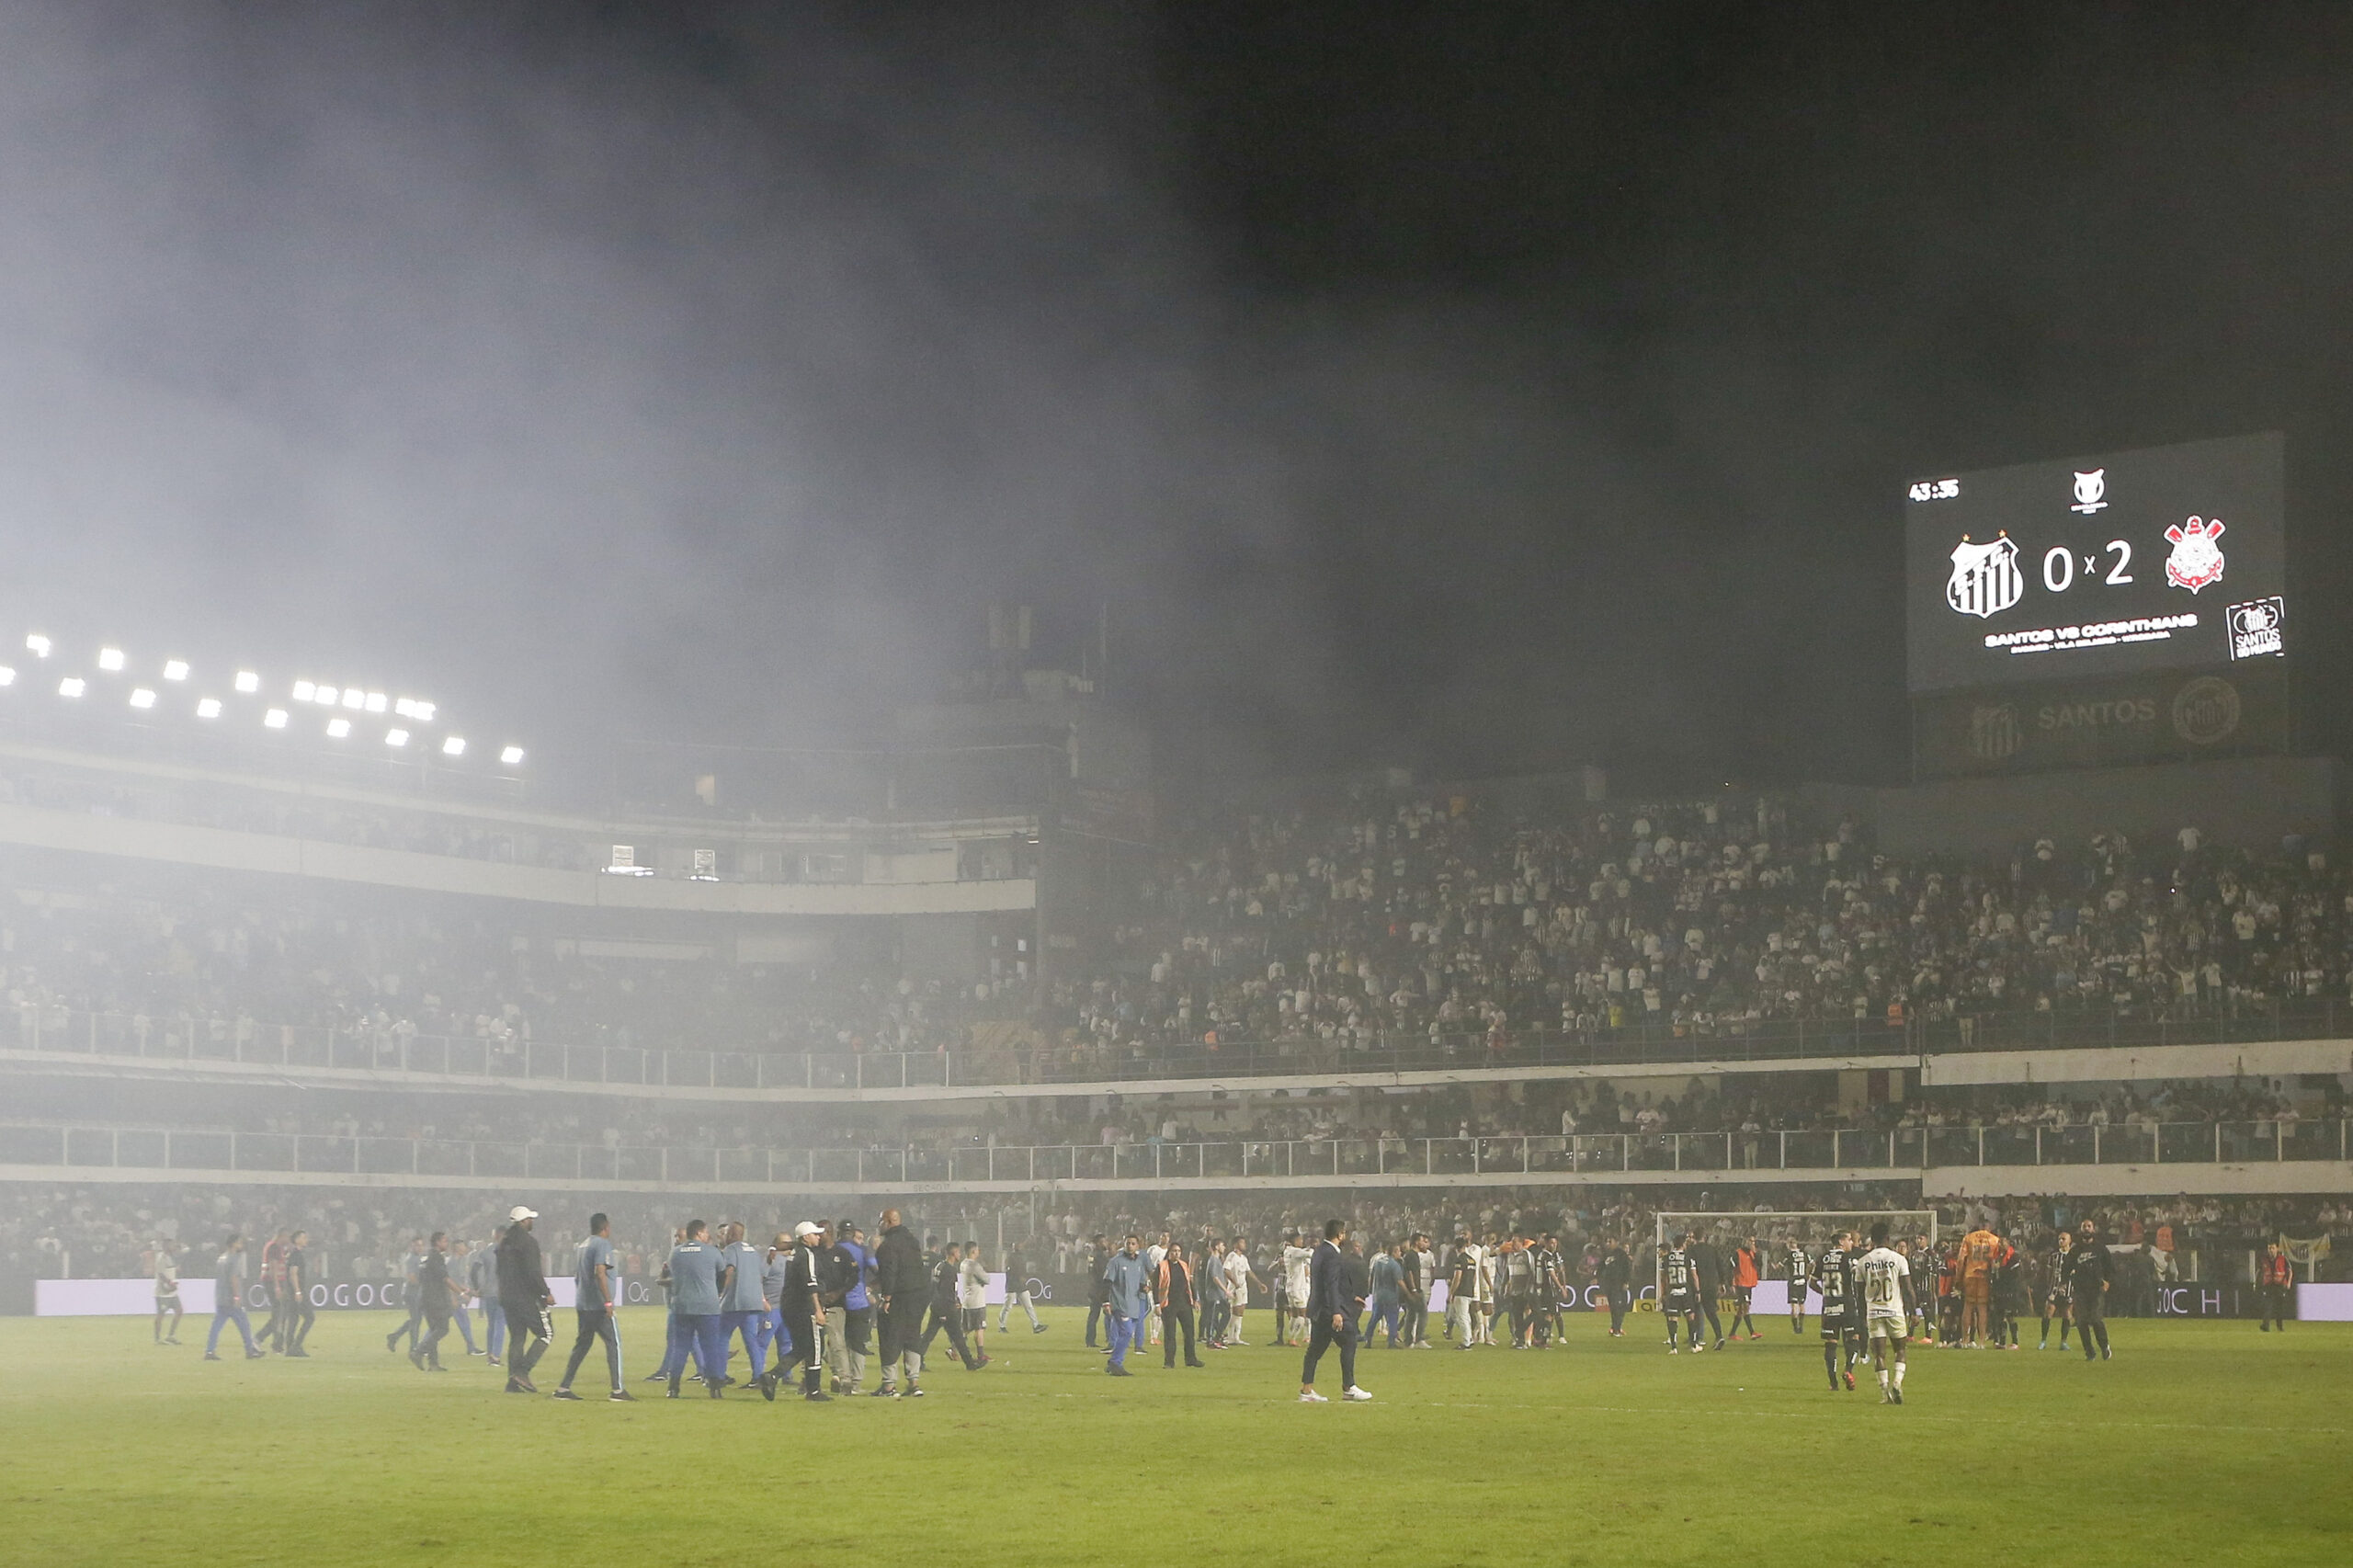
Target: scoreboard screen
[(2163, 558)]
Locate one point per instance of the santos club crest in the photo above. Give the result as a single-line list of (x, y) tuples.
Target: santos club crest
[(2196, 560), (1985, 578)]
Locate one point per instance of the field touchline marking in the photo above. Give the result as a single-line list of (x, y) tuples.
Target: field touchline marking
[(1828, 1413)]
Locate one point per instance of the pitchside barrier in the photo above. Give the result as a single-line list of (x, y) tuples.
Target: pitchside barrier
[(136, 1298)]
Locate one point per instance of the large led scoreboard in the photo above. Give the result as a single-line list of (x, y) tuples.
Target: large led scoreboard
[(2130, 607)]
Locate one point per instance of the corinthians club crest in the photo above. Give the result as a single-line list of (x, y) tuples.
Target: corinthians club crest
[(2196, 560), (1985, 578)]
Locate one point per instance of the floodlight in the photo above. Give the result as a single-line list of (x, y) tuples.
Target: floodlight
[(376, 701), (38, 644), (326, 695), (453, 745), (396, 737), (209, 708), (511, 755), (176, 669), (304, 690), (7, 676), (339, 728), (70, 687), (406, 708), (423, 712), (274, 720), (354, 699), (110, 659), (142, 697), (248, 682)]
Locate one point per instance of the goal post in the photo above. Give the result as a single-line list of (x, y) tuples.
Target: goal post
[(1813, 1229)]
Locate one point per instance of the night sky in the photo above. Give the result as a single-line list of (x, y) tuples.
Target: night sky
[(1475, 388)]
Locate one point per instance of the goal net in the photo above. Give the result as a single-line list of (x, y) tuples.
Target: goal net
[(1775, 1230)]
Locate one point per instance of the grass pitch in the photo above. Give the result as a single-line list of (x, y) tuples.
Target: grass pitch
[(2200, 1443)]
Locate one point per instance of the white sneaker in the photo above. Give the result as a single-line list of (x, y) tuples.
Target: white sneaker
[(1356, 1396), (1309, 1396), (1697, 1349)]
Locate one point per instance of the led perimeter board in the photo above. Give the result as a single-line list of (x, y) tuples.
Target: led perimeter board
[(2169, 558)]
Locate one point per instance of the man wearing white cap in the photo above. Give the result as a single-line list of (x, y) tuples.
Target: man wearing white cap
[(523, 1294), (803, 1304)]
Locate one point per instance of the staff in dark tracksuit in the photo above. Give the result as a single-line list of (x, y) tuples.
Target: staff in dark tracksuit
[(2088, 1277), (594, 1292), (803, 1308), (1616, 1278), (904, 1287), (947, 1308), (437, 1299), (298, 1296), (1330, 1318)]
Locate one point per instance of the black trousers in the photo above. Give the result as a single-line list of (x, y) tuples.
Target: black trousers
[(1618, 1298), (596, 1326), (299, 1323), (430, 1345), (527, 1337), (901, 1334), (1322, 1336), (2091, 1324), (800, 1323), (1172, 1321), (951, 1318), (1095, 1311)]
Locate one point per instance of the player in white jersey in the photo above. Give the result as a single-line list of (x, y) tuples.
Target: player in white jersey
[(1886, 1283), (1295, 1261), (1238, 1287)]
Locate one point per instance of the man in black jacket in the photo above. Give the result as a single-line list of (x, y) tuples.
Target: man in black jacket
[(523, 1295), (947, 1308), (2089, 1274), (1616, 1278), (1330, 1318), (1175, 1289), (905, 1287)]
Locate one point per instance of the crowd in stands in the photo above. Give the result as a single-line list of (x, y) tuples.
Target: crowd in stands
[(1372, 921)]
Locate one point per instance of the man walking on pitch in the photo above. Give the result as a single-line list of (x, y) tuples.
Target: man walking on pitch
[(2089, 1275), (436, 1297), (298, 1296), (744, 1306), (2276, 1277), (697, 1267), (803, 1308), (903, 1286), (1331, 1317), (1172, 1287), (1800, 1266), (1679, 1274), (1833, 1282), (229, 1299), (1129, 1292), (1616, 1278), (1747, 1267), (167, 1292), (593, 1300), (414, 1300), (481, 1278), (523, 1296), (1886, 1281)]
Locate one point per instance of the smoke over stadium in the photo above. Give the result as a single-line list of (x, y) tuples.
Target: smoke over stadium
[(801, 708)]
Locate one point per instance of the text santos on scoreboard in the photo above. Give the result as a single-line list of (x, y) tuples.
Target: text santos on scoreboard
[(2150, 560)]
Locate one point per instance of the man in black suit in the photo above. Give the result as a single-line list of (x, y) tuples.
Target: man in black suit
[(1332, 1318)]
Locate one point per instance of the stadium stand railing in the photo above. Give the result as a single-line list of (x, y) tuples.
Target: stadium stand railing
[(87, 1149)]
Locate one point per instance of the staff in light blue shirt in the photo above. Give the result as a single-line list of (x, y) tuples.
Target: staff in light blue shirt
[(597, 1286), (1125, 1276), (696, 1271), (745, 1301)]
